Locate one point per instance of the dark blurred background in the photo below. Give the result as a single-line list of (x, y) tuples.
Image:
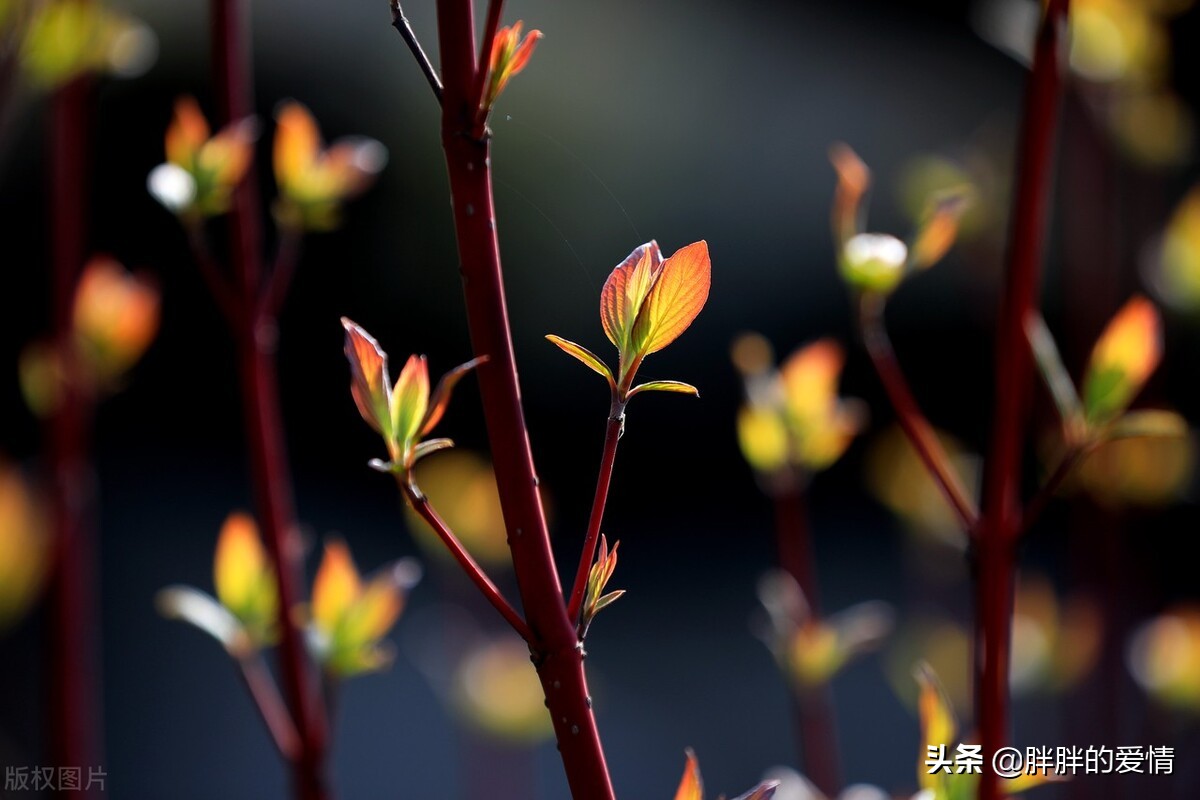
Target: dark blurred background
[(671, 120)]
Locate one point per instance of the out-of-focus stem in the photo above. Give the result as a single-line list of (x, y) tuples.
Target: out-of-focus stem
[(612, 435), (914, 424), (270, 705), (816, 731), (557, 653), (75, 619), (254, 335), (999, 528)]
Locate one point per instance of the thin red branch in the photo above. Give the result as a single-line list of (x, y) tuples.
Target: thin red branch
[(557, 652), (912, 421), (283, 269), (422, 506), (214, 277), (74, 623), (270, 705), (254, 336), (612, 435), (1037, 504), (1001, 523)]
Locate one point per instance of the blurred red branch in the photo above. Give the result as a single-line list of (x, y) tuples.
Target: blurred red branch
[(999, 529), (270, 706), (255, 335), (75, 619), (815, 729), (912, 421), (556, 650)]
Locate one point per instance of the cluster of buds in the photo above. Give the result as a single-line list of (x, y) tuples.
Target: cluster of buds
[(812, 650), (876, 263), (793, 423), (594, 598), (57, 42), (510, 53), (202, 169), (346, 622)]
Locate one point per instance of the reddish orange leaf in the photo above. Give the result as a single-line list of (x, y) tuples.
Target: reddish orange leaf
[(369, 380), (297, 143), (625, 290), (691, 787), (1127, 352), (853, 181), (441, 395), (675, 299), (187, 132)]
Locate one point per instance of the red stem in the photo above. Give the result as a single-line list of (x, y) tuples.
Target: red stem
[(914, 424), (812, 710), (422, 506), (74, 622), (255, 337), (612, 435), (1000, 526), (270, 705), (556, 652)]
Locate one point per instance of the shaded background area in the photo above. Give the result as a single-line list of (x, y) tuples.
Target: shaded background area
[(670, 120)]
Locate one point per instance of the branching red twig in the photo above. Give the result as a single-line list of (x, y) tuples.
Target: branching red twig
[(914, 424), (422, 506), (270, 706), (556, 652), (996, 537), (254, 336), (612, 435)]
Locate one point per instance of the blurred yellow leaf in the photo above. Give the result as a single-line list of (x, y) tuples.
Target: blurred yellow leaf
[(24, 546), (1128, 350), (463, 486), (497, 690), (1164, 656), (244, 577)]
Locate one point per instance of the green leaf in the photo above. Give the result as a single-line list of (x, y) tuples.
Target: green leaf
[(590, 359), (678, 387), (1058, 380), (1150, 423), (608, 599)]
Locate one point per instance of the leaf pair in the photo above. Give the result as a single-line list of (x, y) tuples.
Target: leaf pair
[(793, 416), (593, 599), (647, 302), (876, 263), (691, 787), (349, 618), (406, 412), (314, 181), (1124, 357)]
